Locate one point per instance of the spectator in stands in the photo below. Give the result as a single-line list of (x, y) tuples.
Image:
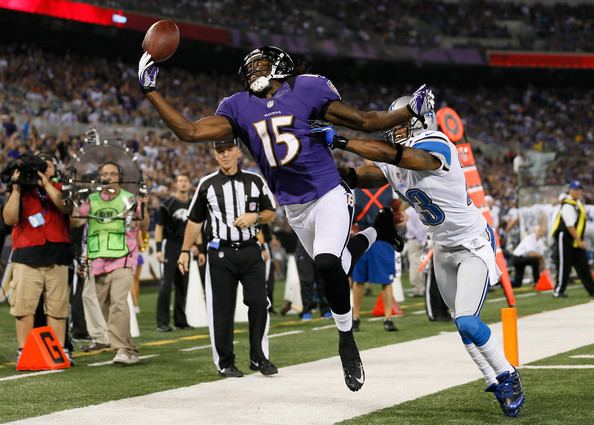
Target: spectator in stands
[(530, 252)]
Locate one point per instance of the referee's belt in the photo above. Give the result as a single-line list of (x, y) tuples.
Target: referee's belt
[(238, 244)]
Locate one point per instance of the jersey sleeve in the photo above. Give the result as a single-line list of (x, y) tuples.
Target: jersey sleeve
[(199, 205), (227, 109), (267, 201), (163, 215), (440, 149), (321, 91)]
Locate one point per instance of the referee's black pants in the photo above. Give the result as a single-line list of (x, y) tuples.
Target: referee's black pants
[(225, 267), (520, 263), (172, 277), (567, 256)]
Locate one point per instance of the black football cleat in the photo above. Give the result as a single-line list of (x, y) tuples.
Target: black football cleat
[(231, 372), (266, 367), (352, 367), (384, 226)]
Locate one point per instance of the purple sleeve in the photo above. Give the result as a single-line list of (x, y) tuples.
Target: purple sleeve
[(322, 90), (227, 109)]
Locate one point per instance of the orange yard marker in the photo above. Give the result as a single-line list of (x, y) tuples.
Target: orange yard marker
[(509, 320), (42, 351)]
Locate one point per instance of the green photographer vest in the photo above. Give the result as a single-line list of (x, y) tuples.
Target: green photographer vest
[(106, 236)]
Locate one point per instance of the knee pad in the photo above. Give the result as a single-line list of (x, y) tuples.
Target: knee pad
[(473, 330), (328, 265)]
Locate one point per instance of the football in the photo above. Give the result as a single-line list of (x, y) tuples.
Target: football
[(161, 40)]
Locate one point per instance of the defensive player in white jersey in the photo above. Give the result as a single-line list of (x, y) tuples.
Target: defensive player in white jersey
[(422, 166)]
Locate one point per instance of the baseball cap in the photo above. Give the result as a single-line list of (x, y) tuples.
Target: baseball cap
[(574, 184), (225, 143)]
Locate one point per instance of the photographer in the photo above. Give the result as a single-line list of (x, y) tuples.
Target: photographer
[(41, 245)]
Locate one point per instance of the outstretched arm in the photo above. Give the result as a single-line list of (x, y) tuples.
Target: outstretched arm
[(410, 158), (367, 176), (209, 128)]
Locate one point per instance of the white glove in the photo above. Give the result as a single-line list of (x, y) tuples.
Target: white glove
[(421, 102), (147, 73)]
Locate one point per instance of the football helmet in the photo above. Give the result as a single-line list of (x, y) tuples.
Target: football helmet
[(281, 66), (402, 133)]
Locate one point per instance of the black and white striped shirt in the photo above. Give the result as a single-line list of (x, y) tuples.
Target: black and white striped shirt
[(220, 199)]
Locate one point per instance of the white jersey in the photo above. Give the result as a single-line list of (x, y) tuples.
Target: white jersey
[(439, 196)]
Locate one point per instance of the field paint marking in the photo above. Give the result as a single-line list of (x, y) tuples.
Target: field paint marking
[(28, 375), (561, 366), (201, 347), (319, 328), (495, 300), (111, 361), (286, 333), (582, 356)]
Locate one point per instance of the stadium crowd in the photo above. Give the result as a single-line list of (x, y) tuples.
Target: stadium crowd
[(558, 27), (45, 98)]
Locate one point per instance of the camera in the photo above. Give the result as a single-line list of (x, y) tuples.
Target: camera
[(28, 165)]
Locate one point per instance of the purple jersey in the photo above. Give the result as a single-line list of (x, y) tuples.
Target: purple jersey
[(297, 164)]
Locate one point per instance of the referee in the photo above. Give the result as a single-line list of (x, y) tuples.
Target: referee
[(570, 248), (173, 215), (234, 203)]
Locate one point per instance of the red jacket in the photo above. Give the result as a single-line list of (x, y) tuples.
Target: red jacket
[(55, 229)]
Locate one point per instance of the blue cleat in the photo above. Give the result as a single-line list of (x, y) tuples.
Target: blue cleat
[(510, 393)]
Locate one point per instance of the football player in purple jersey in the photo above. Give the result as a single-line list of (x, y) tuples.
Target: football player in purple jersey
[(272, 117)]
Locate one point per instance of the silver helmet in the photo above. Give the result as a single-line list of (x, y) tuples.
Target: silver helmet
[(402, 133)]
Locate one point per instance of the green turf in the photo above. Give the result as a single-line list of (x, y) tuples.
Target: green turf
[(553, 396), (84, 385)]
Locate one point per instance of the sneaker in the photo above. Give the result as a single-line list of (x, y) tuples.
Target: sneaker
[(384, 226), (306, 316), (231, 372), (510, 393), (266, 367), (356, 325), (560, 295), (389, 326), (124, 356), (352, 367), (164, 328), (69, 356), (95, 346)]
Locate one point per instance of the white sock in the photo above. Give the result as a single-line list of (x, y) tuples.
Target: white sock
[(486, 369), (493, 353), (370, 233), (344, 322)]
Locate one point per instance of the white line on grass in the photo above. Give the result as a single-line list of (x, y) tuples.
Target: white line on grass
[(319, 328), (285, 334), (111, 361), (418, 312), (561, 366), (27, 375), (200, 347), (495, 300), (582, 356)]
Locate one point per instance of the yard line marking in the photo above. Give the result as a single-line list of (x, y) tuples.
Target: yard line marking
[(111, 361), (494, 300), (200, 347), (27, 375), (375, 319), (582, 356), (561, 366), (319, 328), (286, 333), (418, 312)]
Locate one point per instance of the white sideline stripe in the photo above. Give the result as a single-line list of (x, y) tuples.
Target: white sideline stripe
[(319, 328), (561, 366), (496, 300), (375, 319), (582, 356), (148, 356), (418, 312), (200, 347), (285, 334), (314, 393), (28, 375)]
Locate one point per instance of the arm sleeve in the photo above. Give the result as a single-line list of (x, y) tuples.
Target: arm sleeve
[(568, 215), (163, 215), (199, 205), (267, 201)]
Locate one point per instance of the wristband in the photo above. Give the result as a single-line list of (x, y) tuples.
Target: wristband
[(159, 246), (187, 251), (339, 142), (399, 152)]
